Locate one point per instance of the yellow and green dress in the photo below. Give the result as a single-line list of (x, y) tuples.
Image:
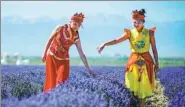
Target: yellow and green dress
[(140, 73)]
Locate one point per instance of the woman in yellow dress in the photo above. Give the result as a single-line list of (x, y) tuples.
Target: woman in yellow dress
[(140, 68)]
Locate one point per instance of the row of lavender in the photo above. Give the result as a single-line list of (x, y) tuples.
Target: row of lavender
[(22, 86), (26, 83), (173, 80)]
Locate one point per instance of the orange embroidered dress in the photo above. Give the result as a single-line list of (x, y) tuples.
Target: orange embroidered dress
[(57, 60)]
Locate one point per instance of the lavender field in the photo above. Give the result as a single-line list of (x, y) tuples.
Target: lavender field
[(23, 85)]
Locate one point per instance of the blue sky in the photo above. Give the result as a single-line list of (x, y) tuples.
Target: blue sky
[(26, 25)]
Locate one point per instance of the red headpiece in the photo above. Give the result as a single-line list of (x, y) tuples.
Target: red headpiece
[(136, 15), (78, 17)]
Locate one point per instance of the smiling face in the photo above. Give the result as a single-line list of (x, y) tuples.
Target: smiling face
[(74, 25), (138, 24)]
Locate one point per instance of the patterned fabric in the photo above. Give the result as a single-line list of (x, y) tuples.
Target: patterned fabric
[(68, 37), (140, 42)]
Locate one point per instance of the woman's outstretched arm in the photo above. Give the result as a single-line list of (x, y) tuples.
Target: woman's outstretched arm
[(117, 40), (120, 39)]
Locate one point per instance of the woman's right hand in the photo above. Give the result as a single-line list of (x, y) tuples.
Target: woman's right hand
[(101, 47), (92, 73), (44, 58)]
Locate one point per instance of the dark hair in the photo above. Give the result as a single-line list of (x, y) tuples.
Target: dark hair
[(76, 14), (142, 12)]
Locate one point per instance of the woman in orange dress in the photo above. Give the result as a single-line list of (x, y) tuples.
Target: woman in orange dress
[(56, 54), (140, 69)]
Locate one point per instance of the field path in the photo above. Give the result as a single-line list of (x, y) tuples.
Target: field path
[(159, 99)]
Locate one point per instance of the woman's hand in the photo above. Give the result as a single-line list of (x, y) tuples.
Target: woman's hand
[(101, 47), (91, 73), (83, 57), (44, 58), (120, 39), (156, 68)]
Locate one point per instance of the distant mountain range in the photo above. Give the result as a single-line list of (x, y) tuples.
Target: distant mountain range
[(29, 37)]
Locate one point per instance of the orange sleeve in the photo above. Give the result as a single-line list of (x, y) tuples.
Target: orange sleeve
[(128, 32), (152, 31)]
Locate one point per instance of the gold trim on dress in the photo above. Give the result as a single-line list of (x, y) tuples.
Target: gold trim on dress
[(51, 53), (76, 40), (75, 37), (64, 34), (70, 34)]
